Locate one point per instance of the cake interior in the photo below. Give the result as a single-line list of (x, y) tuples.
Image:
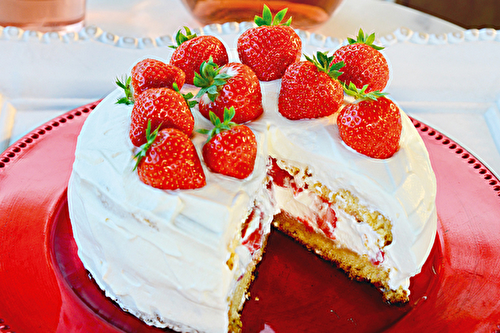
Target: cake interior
[(316, 233)]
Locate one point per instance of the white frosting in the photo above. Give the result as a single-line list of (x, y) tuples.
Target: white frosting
[(162, 254), (155, 252)]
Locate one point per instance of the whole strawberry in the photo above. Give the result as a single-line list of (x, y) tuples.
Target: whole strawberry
[(151, 73), (233, 85), (231, 149), (309, 89), (147, 74), (270, 47), (371, 126), (364, 64), (169, 161), (164, 108), (192, 50)]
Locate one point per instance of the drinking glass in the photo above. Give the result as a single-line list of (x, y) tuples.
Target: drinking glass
[(306, 14), (43, 15)]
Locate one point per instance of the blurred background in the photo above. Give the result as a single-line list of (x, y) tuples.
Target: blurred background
[(145, 26), (469, 14)]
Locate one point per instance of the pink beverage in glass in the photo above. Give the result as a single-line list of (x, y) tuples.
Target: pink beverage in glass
[(306, 14), (43, 15)]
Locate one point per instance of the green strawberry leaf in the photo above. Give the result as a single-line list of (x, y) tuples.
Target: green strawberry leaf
[(181, 38), (268, 20), (189, 101), (150, 137), (279, 16), (360, 94), (125, 84), (229, 114), (210, 79), (202, 131), (187, 97), (370, 39), (214, 119), (267, 16), (363, 39), (219, 126), (325, 64)]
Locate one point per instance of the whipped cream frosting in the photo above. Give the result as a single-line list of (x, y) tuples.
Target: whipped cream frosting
[(162, 255)]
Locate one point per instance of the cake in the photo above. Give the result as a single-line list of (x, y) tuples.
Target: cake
[(184, 259)]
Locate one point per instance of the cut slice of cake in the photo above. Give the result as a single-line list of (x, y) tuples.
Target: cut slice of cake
[(335, 225)]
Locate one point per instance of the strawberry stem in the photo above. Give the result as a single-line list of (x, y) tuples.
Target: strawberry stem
[(220, 126), (363, 39), (209, 79), (267, 18), (125, 84), (360, 94), (150, 137), (187, 97), (181, 38), (325, 64)]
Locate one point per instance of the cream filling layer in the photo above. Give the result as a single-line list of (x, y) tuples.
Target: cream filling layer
[(311, 210)]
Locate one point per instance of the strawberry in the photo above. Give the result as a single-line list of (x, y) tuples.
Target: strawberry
[(149, 73), (233, 85), (252, 240), (231, 149), (372, 125), (169, 161), (164, 108), (364, 64), (327, 220), (270, 47), (309, 89), (192, 50)]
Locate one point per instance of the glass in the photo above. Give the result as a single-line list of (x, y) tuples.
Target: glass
[(43, 15), (306, 14)]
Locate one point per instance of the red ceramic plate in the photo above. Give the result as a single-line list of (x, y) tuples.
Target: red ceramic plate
[(44, 287)]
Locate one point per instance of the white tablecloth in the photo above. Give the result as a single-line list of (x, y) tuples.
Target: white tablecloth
[(442, 75)]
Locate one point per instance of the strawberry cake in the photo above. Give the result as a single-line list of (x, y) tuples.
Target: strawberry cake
[(179, 248)]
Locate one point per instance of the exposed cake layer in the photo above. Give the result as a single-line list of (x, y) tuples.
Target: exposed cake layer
[(356, 266), (335, 226), (174, 258)]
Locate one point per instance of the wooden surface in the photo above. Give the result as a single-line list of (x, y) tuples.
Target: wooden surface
[(469, 14)]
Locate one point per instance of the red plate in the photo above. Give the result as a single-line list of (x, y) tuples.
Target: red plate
[(44, 287)]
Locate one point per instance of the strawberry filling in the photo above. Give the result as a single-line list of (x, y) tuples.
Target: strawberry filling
[(318, 215), (252, 239), (380, 258), (327, 220), (280, 177), (324, 218)]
